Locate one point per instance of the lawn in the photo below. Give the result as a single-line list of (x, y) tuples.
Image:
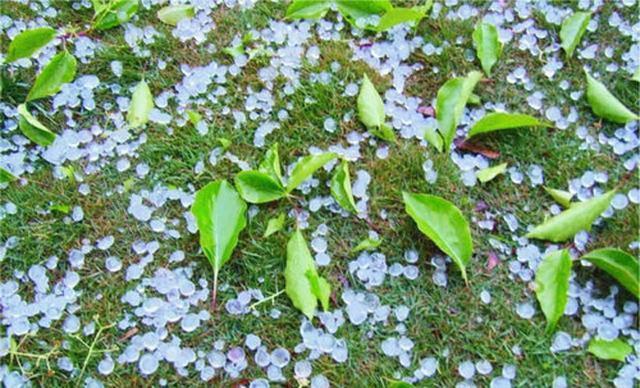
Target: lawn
[(102, 277)]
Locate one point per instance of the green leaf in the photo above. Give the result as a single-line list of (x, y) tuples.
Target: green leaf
[(617, 349), (434, 138), (384, 132), (274, 225), (578, 217), (308, 9), (398, 15), (299, 269), (487, 174), (341, 188), (271, 163), (258, 187), (140, 106), (173, 14), (62, 208), (368, 244), (552, 285), (605, 104), (497, 121), (118, 12), (444, 224), (60, 70), (194, 117), (6, 176), (620, 265), (636, 75), (224, 142), (320, 287), (400, 384), (220, 215), (370, 105), (451, 100), (572, 30), (561, 196), (488, 47), (353, 10), (306, 167), (34, 129), (26, 43)]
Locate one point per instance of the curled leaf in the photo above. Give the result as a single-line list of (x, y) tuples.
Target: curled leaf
[(444, 224), (28, 42), (341, 188), (620, 265), (561, 196), (488, 47), (552, 285), (34, 129), (616, 350), (497, 121), (451, 100), (140, 106), (60, 70), (572, 30), (303, 284), (173, 14), (434, 138), (578, 217), (258, 187), (306, 167), (605, 104), (271, 163), (487, 174)]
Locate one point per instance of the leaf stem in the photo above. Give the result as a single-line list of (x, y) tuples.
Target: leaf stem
[(214, 294), (266, 299)]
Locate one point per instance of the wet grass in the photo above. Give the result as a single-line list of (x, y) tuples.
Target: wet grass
[(443, 321)]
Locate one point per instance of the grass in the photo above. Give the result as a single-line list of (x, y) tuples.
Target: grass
[(442, 320)]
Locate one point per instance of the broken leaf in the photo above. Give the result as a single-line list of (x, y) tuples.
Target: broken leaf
[(451, 100), (28, 42), (274, 225), (60, 70), (488, 47), (172, 14), (487, 174), (497, 121), (308, 9), (368, 244), (620, 265), (561, 196), (306, 167), (552, 285), (115, 14), (572, 30), (34, 129), (6, 176), (140, 106), (617, 349), (399, 15), (341, 187), (320, 288), (605, 104), (578, 217), (444, 224)]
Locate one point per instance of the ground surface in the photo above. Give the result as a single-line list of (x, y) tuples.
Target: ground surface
[(449, 323)]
